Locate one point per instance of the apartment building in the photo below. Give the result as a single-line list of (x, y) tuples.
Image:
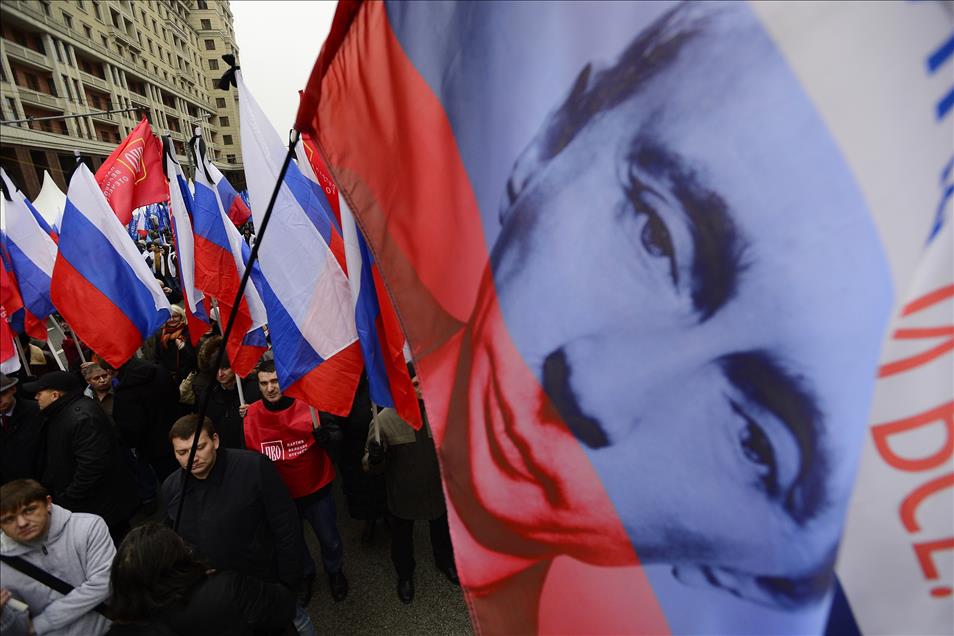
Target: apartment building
[(81, 57)]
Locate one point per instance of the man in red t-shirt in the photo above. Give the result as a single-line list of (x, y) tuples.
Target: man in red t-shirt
[(282, 429)]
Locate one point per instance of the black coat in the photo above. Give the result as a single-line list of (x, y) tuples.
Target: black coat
[(232, 603), (223, 410), (240, 517), (83, 468), (21, 444), (145, 405)]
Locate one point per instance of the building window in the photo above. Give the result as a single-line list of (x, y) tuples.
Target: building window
[(213, 65), (224, 122), (227, 140), (220, 102), (88, 31), (82, 5), (105, 41), (46, 7), (207, 25), (99, 16), (210, 45), (203, 4), (230, 158), (68, 20)]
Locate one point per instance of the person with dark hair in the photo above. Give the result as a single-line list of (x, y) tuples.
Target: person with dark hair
[(174, 350), (225, 408), (283, 430), (82, 465), (413, 482), (157, 582), (73, 546), (237, 513), (21, 433)]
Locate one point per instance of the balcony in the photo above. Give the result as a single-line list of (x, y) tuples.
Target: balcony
[(27, 55), (31, 96), (92, 80), (124, 38)]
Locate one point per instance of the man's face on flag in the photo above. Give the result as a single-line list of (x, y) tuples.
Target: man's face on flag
[(697, 287)]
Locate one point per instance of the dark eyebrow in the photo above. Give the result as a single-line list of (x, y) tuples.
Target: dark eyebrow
[(717, 245), (762, 379)]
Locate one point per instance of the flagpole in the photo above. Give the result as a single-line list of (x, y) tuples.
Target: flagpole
[(314, 418), (374, 422), (23, 359), (59, 363), (204, 406), (59, 328)]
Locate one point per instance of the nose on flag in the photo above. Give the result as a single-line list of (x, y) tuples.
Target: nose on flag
[(101, 284)]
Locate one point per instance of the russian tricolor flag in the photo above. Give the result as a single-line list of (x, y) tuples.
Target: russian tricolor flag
[(180, 206), (31, 251), (10, 303), (100, 283), (219, 266), (317, 354)]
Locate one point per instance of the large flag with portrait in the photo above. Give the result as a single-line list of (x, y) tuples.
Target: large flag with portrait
[(647, 256)]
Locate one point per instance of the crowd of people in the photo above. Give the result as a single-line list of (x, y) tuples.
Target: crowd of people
[(103, 531)]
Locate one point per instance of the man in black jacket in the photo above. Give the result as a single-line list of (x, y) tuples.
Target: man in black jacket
[(237, 514), (144, 407), (21, 430), (82, 466)]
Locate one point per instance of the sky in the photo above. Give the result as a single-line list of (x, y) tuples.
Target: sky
[(278, 44)]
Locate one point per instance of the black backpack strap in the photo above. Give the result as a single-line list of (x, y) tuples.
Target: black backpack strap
[(51, 581)]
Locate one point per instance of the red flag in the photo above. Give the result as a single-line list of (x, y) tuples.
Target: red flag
[(132, 176)]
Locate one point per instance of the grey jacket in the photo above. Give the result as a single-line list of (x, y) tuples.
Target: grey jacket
[(77, 549)]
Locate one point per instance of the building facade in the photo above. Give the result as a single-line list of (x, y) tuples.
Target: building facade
[(80, 57)]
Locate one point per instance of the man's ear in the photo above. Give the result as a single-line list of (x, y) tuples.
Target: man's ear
[(559, 128), (49, 503)]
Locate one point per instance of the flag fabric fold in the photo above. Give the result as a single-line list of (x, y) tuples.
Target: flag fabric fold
[(306, 292), (180, 215), (220, 265), (31, 253), (101, 284), (10, 303), (131, 177)]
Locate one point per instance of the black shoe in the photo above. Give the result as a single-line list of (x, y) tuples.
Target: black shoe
[(450, 572), (304, 591), (406, 590), (367, 536), (339, 585)]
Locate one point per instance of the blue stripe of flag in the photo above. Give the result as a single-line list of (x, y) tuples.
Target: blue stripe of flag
[(92, 255)]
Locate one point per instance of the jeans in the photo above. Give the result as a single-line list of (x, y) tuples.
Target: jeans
[(319, 510), (402, 545), (303, 624)]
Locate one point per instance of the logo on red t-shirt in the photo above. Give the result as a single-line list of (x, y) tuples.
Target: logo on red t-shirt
[(273, 450)]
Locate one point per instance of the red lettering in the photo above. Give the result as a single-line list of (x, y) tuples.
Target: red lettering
[(911, 362), (882, 432), (925, 551), (909, 506)]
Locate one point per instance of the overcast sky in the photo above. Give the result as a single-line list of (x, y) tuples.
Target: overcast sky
[(278, 43)]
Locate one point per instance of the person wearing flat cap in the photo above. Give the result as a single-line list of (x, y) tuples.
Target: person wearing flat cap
[(20, 433), (82, 466)]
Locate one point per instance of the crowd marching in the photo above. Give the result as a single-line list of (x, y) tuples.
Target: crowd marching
[(93, 463), (159, 471)]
